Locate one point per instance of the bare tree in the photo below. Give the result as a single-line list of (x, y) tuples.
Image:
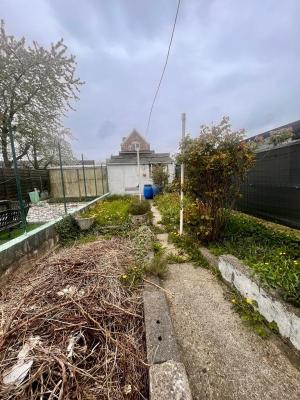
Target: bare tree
[(37, 87)]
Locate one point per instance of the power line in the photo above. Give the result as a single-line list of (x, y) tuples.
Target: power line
[(164, 68)]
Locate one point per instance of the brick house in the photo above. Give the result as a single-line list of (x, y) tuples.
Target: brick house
[(122, 169)]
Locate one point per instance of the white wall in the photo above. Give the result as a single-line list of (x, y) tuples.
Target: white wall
[(123, 179)]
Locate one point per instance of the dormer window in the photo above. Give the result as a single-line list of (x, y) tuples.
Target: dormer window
[(135, 146)]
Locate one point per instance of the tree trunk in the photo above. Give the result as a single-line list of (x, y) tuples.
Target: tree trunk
[(4, 145)]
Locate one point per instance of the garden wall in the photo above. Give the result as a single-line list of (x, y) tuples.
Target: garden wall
[(26, 249)]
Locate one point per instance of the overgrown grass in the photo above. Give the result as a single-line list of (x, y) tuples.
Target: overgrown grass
[(111, 212), (272, 255)]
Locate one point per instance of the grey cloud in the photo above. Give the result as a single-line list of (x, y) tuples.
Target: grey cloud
[(228, 58)]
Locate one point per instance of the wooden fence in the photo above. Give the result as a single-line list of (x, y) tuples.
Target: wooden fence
[(95, 181), (30, 179)]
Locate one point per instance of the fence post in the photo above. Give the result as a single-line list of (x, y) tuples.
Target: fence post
[(95, 178), (17, 177), (41, 183), (83, 176), (78, 178), (102, 179), (62, 178)]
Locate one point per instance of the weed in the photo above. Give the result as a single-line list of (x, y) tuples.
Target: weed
[(139, 207), (133, 276), (157, 266), (173, 258), (87, 238), (110, 212), (67, 230), (247, 309), (273, 256), (157, 247)]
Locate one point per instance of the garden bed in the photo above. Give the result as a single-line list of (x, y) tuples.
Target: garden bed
[(71, 328)]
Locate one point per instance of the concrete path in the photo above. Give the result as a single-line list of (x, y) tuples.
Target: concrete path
[(223, 358)]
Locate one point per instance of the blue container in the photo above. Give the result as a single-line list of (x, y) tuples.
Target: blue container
[(156, 190), (148, 192)]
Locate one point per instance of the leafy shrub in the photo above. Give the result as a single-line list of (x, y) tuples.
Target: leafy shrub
[(67, 230), (215, 163), (139, 207), (280, 136), (160, 175)]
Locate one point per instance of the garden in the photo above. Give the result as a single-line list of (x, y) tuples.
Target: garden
[(216, 162), (74, 325)]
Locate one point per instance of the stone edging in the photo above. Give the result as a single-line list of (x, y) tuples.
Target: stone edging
[(24, 250), (269, 304), (167, 375)]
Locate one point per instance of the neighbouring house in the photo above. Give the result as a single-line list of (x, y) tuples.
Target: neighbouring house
[(122, 169)]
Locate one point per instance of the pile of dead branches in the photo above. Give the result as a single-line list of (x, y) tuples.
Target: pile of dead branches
[(71, 330)]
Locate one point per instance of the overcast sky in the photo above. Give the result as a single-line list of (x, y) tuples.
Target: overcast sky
[(229, 57)]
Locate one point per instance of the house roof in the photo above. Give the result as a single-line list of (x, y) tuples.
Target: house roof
[(145, 158)]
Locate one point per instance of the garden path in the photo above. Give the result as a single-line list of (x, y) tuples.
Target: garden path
[(224, 359)]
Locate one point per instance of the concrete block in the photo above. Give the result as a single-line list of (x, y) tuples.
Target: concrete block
[(168, 381), (160, 337)]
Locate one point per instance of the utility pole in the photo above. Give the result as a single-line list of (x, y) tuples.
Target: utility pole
[(183, 119), (139, 169)]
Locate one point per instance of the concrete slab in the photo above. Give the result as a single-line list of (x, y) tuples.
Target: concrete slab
[(168, 381), (160, 338)]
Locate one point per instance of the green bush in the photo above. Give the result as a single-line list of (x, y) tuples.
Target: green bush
[(139, 207), (67, 230)]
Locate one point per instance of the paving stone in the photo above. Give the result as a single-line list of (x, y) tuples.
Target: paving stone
[(168, 381), (160, 338)]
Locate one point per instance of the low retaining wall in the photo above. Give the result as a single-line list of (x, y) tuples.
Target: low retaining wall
[(269, 304), (27, 248)]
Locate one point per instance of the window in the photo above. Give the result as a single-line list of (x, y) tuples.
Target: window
[(135, 146)]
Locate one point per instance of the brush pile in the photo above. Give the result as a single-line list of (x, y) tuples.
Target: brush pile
[(71, 330)]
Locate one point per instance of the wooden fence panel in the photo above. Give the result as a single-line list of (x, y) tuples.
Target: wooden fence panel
[(74, 181)]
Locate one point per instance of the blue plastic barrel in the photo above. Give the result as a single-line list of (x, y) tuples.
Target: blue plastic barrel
[(155, 189), (148, 192)]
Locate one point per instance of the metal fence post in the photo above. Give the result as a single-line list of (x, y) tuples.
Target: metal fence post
[(83, 170), (102, 179), (62, 178), (17, 177), (95, 178)]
